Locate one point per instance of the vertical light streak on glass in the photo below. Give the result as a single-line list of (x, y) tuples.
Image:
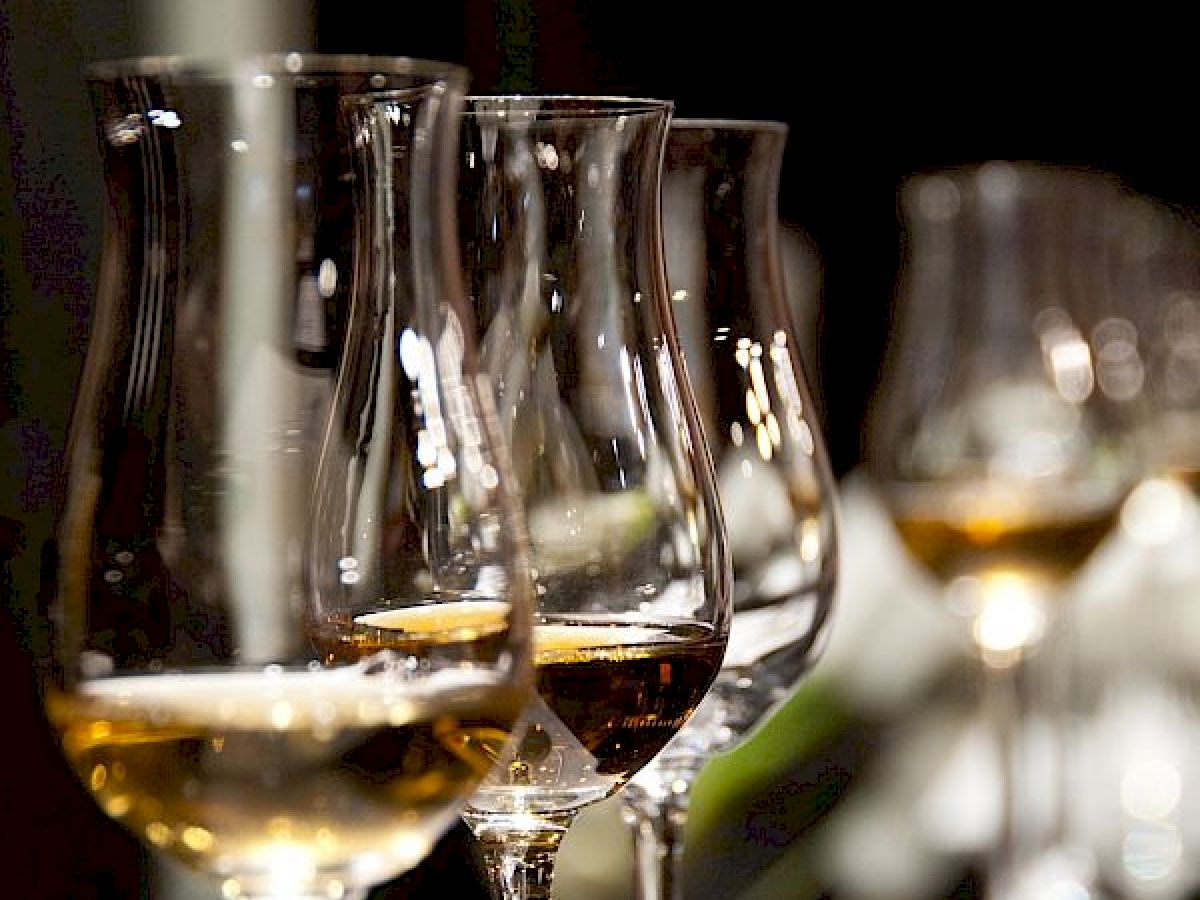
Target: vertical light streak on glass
[(758, 379), (787, 382), (262, 384), (753, 412), (635, 396)]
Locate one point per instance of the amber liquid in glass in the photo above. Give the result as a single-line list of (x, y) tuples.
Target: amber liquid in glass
[(612, 692), (622, 690), (1048, 541)]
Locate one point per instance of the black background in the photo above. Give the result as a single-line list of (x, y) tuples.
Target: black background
[(869, 97)]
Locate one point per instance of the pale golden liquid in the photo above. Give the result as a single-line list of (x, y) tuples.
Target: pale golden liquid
[(464, 629), (288, 778), (950, 538)]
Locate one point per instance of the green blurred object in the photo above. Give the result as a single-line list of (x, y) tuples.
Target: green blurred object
[(751, 805)]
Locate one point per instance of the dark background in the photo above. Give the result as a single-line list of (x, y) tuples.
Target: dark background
[(870, 97)]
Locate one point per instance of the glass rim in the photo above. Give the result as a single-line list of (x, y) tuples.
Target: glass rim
[(689, 123), (283, 64), (582, 106)]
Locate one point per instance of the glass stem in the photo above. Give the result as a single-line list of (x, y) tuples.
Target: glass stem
[(657, 817), (519, 857), (1027, 701), (1003, 703), (1030, 779)]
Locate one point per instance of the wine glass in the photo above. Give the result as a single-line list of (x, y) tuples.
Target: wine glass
[(724, 269), (561, 237), (1002, 459), (293, 582)]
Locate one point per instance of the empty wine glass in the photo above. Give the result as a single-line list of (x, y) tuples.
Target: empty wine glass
[(1002, 460), (293, 584), (561, 237), (725, 273)]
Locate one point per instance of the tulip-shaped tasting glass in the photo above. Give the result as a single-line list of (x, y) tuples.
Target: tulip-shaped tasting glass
[(562, 248), (279, 438), (725, 271)]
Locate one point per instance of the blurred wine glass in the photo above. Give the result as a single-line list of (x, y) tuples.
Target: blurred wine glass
[(1136, 701), (725, 270), (292, 578), (1002, 458), (561, 236)]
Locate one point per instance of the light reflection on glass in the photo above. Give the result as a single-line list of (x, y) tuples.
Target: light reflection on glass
[(327, 278), (1151, 851), (547, 156), (786, 378), (289, 868), (758, 380), (1068, 358), (939, 198), (633, 383), (1120, 370), (753, 412), (164, 118), (1010, 616), (1154, 512), (810, 540), (742, 354), (765, 450), (772, 425), (767, 433), (1180, 349), (998, 182), (1151, 789), (1071, 362), (198, 839)]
